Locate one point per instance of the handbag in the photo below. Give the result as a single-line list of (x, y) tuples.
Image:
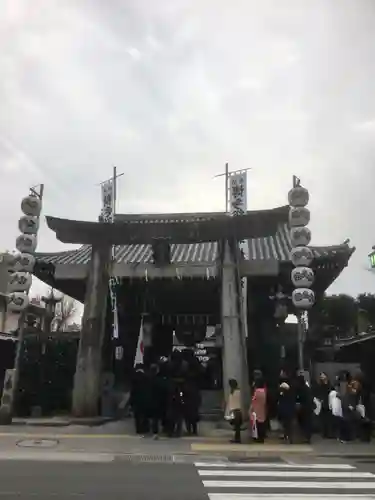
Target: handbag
[(361, 410), (254, 427), (229, 417)]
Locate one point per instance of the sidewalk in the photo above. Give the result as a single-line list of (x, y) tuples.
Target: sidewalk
[(61, 421), (119, 438)]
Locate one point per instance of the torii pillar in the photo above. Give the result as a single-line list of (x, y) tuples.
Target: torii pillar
[(234, 341), (87, 378)]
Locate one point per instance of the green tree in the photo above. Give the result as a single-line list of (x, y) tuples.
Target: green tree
[(334, 315), (366, 312)]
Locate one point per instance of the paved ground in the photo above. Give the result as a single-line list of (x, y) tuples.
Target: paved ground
[(108, 439), (117, 480), (75, 476)]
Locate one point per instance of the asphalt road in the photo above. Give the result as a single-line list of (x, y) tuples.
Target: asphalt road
[(25, 480), (114, 479)]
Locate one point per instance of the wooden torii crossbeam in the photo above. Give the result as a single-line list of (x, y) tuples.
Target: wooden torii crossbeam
[(255, 224)]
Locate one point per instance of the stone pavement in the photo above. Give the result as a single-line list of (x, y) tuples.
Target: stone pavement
[(119, 438)]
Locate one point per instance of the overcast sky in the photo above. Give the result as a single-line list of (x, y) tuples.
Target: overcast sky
[(169, 90)]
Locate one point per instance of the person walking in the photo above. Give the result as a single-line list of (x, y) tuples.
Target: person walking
[(233, 412)]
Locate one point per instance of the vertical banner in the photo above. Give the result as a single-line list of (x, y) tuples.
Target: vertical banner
[(107, 216), (238, 207), (107, 200), (139, 353)]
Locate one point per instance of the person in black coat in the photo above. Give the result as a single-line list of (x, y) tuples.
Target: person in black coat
[(304, 406), (139, 400), (155, 398), (322, 391), (286, 406), (192, 402)]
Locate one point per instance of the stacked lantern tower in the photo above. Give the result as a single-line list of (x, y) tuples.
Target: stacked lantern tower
[(21, 277), (18, 287), (302, 275)]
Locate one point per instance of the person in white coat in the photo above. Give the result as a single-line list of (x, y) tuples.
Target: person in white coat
[(335, 406)]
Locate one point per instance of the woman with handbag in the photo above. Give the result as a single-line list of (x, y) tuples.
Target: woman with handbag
[(233, 411), (258, 411)]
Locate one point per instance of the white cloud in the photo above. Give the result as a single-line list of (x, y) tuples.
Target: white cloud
[(170, 91), (134, 53)]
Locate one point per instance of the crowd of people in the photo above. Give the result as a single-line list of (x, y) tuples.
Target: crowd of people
[(165, 398), (339, 410)]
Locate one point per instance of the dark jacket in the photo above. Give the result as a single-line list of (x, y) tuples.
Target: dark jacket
[(322, 392), (139, 394), (192, 401), (304, 397), (286, 402)]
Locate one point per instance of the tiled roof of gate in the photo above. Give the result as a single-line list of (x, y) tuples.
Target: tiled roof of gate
[(276, 247)]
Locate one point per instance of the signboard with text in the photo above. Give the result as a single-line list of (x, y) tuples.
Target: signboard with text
[(107, 200), (238, 193)]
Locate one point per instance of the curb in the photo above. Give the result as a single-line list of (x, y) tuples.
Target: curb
[(64, 423)]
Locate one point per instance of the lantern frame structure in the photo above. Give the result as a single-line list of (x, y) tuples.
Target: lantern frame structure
[(19, 286), (302, 276)]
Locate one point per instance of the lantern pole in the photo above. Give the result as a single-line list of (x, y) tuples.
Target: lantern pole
[(301, 342), (7, 410), (302, 275)]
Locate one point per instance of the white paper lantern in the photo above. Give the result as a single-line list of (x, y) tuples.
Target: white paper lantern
[(299, 216), (28, 224), (298, 197), (25, 262), (26, 243), (302, 277), (31, 205), (303, 298), (20, 282), (300, 236), (17, 301), (301, 256)]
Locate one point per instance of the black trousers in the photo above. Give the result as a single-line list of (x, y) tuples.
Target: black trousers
[(141, 422), (287, 425), (262, 430), (155, 425), (326, 423), (237, 422), (175, 425), (304, 418), (347, 428), (191, 426)]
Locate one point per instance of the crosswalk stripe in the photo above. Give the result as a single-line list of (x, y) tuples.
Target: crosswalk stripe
[(287, 474), (299, 496), (363, 485), (258, 465)]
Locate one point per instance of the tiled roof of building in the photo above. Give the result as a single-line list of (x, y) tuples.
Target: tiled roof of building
[(275, 247)]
